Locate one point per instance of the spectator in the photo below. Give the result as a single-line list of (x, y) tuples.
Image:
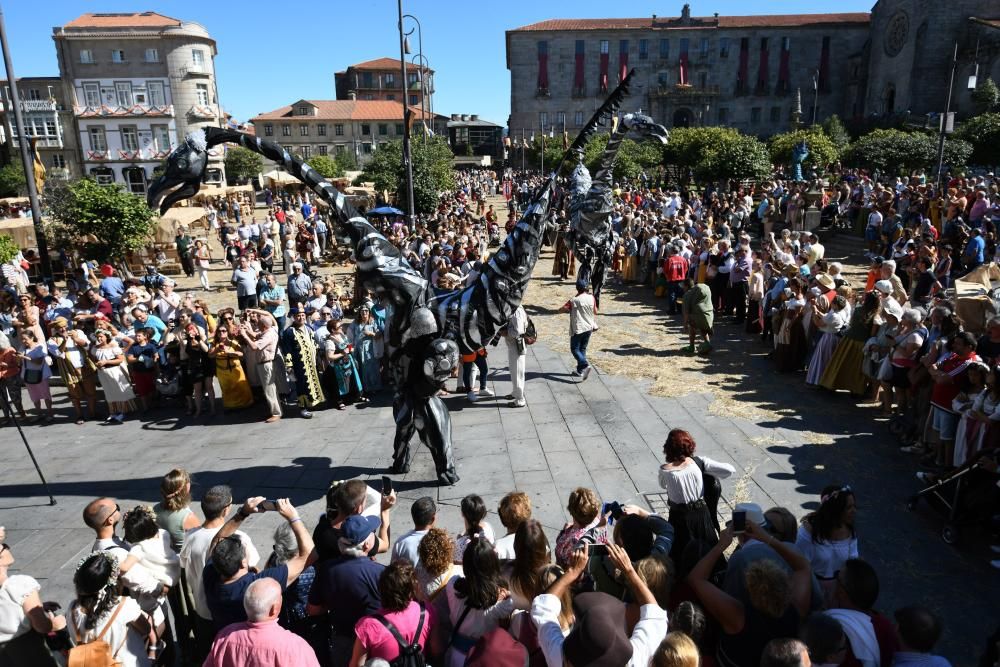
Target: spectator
[(584, 508), (582, 311), (102, 515), (514, 510), (785, 653), (531, 556), (347, 499), (676, 650), (399, 623), (436, 566), (173, 512), (245, 279), (513, 335), (825, 639), (871, 639), (919, 630), (474, 515), (299, 285), (227, 574), (826, 537), (260, 641), (24, 619), (424, 513)]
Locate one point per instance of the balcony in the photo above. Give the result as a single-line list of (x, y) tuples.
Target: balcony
[(203, 112), (134, 111), (39, 105), (40, 142), (196, 69), (683, 91), (147, 154), (57, 173)]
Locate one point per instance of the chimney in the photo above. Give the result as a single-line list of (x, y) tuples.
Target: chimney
[(474, 116), (465, 116), (455, 116), (352, 95)]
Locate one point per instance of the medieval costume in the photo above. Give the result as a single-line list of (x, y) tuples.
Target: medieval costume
[(299, 348)]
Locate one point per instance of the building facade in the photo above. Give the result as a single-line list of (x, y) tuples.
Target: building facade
[(468, 134), (48, 118), (738, 71), (332, 127), (139, 82), (379, 79)]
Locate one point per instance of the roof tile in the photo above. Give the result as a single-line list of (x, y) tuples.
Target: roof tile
[(123, 20), (342, 110), (384, 63), (646, 23)]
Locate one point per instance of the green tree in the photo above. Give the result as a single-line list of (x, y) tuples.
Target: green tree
[(8, 249), (894, 152), (742, 157), (822, 151), (12, 181), (688, 145), (986, 96), (835, 130), (553, 153), (105, 221), (242, 164), (983, 132), (325, 166), (432, 171), (346, 161)]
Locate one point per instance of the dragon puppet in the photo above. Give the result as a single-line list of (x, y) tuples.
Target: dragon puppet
[(426, 333)]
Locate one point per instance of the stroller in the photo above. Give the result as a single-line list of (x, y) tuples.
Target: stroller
[(966, 496)]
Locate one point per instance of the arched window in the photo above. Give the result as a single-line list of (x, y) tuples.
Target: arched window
[(103, 175), (889, 99)]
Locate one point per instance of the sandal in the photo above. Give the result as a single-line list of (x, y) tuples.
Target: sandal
[(341, 406)]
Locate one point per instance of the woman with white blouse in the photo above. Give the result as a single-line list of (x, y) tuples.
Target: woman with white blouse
[(826, 537), (24, 618), (682, 478)]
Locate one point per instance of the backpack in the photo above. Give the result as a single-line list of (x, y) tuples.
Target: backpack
[(530, 333), (712, 492), (97, 652), (410, 654)]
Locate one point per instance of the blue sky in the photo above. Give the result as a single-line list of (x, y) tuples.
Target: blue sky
[(270, 58)]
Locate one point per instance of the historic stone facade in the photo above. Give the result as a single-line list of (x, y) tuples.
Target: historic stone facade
[(741, 71), (48, 118)]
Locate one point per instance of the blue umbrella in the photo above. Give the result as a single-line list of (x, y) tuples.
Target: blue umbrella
[(385, 210)]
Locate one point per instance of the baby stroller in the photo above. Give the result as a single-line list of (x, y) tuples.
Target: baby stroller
[(966, 496)]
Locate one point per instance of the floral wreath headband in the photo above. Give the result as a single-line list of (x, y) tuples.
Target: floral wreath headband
[(143, 509), (833, 494), (111, 560)]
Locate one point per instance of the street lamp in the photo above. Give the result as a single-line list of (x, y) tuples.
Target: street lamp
[(426, 115), (420, 55), (407, 157)]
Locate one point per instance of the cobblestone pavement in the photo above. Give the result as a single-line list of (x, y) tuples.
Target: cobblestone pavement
[(785, 441)]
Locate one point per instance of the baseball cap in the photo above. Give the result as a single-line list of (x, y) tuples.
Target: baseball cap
[(357, 528)]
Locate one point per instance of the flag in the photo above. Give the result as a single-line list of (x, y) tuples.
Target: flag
[(38, 166), (524, 142), (532, 137)]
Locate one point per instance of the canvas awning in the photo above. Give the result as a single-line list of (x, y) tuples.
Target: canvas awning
[(972, 301), (281, 178), (166, 228), (22, 230), (8, 201), (221, 190)]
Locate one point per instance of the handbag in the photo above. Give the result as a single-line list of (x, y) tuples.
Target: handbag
[(32, 375)]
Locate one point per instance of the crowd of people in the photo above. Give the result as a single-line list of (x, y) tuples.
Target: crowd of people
[(163, 583)]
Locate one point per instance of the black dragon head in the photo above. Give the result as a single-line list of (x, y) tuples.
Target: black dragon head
[(185, 168)]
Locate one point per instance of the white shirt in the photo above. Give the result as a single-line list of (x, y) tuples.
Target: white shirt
[(645, 639), (406, 546), (132, 651), (685, 485), (194, 555), (582, 313), (505, 547), (826, 558), (13, 621), (138, 579)]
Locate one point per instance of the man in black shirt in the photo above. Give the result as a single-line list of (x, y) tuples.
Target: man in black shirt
[(345, 499)]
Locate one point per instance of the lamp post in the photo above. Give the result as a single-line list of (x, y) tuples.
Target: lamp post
[(944, 118), (426, 115), (815, 95), (420, 56), (407, 157), (26, 160)]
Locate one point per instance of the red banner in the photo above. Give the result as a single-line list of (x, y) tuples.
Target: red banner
[(683, 75), (543, 71), (783, 70), (744, 72), (762, 74), (622, 65)]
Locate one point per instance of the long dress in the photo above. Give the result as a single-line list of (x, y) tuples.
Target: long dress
[(365, 354), (342, 375), (299, 347), (790, 341), (697, 305), (236, 393), (845, 368), (114, 380), (828, 342)]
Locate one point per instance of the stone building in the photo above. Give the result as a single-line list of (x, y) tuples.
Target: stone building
[(48, 118), (912, 46), (332, 127), (468, 134), (138, 82), (738, 71), (379, 80)]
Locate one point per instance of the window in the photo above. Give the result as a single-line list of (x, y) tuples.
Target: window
[(383, 129), (340, 149), (338, 129), (578, 119), (755, 115), (201, 90), (414, 99), (156, 96), (543, 119), (98, 142), (117, 56), (366, 129), (604, 46), (34, 94), (286, 130), (91, 95), (664, 49), (389, 79), (268, 130), (152, 56), (306, 151), (322, 150), (366, 148), (58, 161), (303, 130), (135, 177), (643, 49), (723, 47), (723, 115), (775, 114), (366, 79), (301, 111), (161, 138), (321, 129), (86, 56), (390, 97), (197, 57), (704, 47), (123, 93), (130, 139), (399, 129), (50, 128), (561, 119), (103, 175), (412, 77), (703, 80)]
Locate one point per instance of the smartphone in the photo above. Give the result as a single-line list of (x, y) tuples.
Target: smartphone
[(386, 485), (598, 549), (269, 506), (614, 508), (739, 521)]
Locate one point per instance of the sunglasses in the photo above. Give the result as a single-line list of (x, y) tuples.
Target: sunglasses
[(4, 547)]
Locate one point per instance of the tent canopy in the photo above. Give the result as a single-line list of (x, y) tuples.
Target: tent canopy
[(973, 304), (221, 190), (22, 230), (282, 178), (172, 220)]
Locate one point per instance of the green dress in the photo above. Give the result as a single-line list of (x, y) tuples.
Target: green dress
[(697, 305)]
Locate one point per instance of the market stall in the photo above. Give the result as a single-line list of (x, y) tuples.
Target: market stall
[(22, 230)]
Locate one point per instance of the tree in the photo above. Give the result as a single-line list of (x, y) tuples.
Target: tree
[(894, 152), (983, 132), (835, 130), (325, 166), (346, 161), (12, 181), (8, 249), (104, 220), (432, 171), (986, 96), (742, 157), (242, 164), (822, 151), (553, 153), (688, 145)]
